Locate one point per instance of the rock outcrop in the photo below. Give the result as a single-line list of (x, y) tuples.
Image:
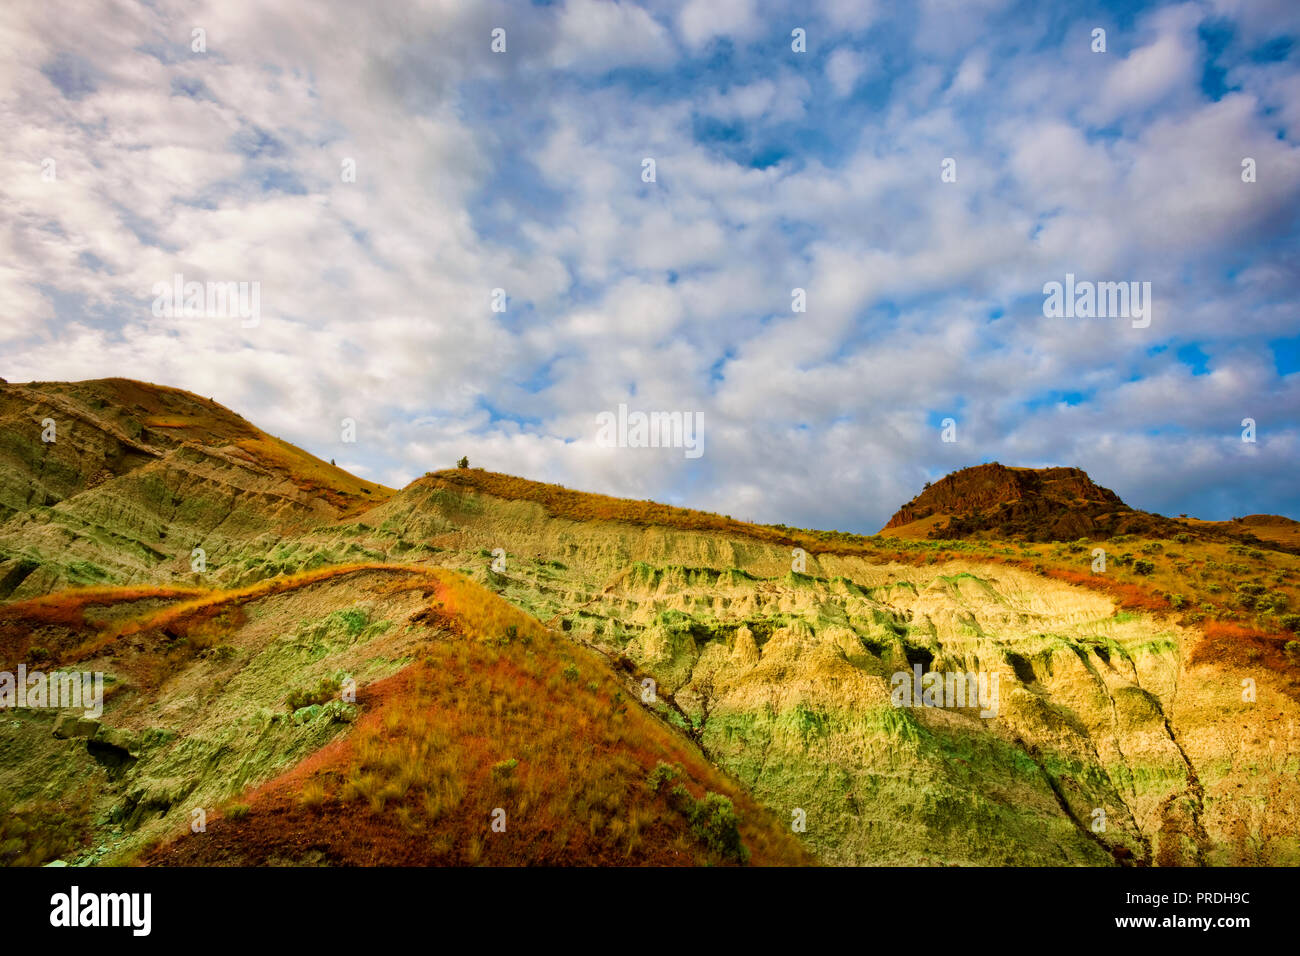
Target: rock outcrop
[(1039, 504)]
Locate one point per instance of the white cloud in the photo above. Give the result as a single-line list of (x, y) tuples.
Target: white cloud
[(773, 101), (972, 73), (850, 14), (844, 67), (522, 171), (600, 34), (1154, 71), (703, 20)]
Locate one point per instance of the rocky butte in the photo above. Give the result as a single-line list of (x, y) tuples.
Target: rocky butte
[(1038, 504)]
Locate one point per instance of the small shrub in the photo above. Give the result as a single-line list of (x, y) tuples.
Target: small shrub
[(1276, 602), (353, 619), (713, 818), (661, 774), (1143, 567), (716, 824)]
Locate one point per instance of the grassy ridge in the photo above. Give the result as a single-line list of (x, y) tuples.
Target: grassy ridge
[(1197, 579)]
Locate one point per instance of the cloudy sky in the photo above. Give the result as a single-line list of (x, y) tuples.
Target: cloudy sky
[(135, 149)]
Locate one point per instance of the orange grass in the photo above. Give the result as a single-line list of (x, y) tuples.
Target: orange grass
[(67, 608), (177, 614), (1127, 596), (198, 612)]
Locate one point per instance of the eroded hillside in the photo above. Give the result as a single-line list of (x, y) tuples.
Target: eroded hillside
[(1145, 713), (113, 480), (785, 680), (229, 736)]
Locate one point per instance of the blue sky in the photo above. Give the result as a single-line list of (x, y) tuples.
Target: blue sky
[(775, 170)]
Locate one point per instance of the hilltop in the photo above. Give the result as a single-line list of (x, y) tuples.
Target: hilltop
[(1037, 504), (126, 479), (1268, 530), (1055, 504)]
